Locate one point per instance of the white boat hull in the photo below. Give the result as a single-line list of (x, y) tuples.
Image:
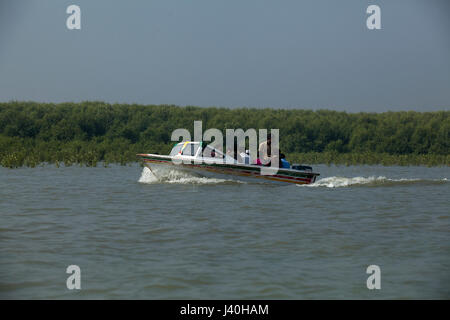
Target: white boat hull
[(248, 173)]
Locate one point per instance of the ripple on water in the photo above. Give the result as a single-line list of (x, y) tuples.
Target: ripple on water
[(219, 239)]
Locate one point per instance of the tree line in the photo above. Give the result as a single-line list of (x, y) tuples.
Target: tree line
[(90, 132)]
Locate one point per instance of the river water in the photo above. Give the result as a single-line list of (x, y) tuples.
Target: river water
[(135, 237)]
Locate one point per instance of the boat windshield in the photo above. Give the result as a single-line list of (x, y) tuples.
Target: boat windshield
[(176, 149), (190, 149)]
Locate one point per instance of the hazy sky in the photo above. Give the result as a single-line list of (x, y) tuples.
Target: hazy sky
[(234, 53)]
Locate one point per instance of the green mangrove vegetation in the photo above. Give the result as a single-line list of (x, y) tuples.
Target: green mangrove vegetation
[(89, 133)]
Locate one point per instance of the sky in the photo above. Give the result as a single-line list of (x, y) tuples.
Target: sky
[(311, 54)]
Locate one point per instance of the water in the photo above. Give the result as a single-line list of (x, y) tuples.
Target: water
[(135, 237)]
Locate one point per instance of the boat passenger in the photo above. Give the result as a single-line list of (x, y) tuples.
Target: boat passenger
[(265, 152), (234, 154), (283, 162), (245, 157)]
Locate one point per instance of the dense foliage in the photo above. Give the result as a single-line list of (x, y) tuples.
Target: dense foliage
[(89, 132)]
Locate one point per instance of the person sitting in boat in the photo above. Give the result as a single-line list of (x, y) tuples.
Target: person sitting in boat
[(283, 162), (265, 152), (234, 154), (245, 156)]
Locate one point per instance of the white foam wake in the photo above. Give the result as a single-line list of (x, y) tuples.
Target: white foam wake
[(175, 176), (337, 182), (147, 176)]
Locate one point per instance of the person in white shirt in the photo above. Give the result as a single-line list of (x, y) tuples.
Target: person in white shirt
[(265, 151)]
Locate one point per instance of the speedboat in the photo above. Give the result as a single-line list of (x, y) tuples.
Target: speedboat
[(200, 159)]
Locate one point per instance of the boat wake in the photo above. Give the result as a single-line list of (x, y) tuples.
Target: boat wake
[(338, 182), (171, 176), (177, 177)]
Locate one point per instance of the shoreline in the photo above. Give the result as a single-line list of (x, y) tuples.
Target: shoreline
[(89, 132), (14, 161)]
